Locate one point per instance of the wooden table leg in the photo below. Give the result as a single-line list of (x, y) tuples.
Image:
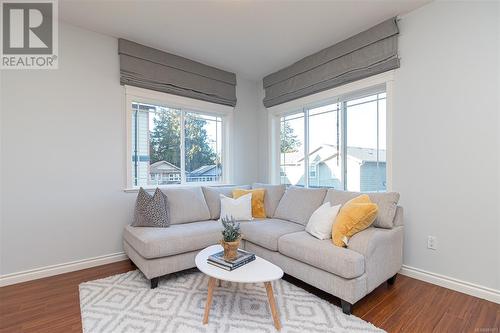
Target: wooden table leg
[(211, 285), (272, 305)]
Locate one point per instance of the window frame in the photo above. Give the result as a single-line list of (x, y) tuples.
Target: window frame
[(345, 92), (185, 105)]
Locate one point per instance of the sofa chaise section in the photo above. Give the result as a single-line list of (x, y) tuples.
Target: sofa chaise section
[(161, 251), (303, 247), (373, 256), (348, 290), (176, 239)]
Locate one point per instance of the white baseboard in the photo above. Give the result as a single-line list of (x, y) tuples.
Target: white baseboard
[(72, 266), (452, 283), (417, 273)]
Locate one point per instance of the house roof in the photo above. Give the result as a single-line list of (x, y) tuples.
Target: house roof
[(326, 152), (206, 170), (163, 166), (366, 154)]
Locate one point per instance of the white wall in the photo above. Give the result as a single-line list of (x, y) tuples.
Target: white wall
[(63, 155), (446, 139), (264, 137), (245, 145)]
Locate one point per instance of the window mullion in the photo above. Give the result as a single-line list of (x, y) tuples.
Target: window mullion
[(136, 142), (343, 131), (224, 161), (306, 147), (378, 140), (182, 147)]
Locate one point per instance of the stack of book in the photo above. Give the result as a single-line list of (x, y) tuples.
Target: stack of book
[(243, 258)]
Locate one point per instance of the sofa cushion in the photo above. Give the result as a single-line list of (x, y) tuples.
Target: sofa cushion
[(239, 209), (355, 215), (322, 254), (180, 238), (186, 204), (266, 232), (272, 198), (151, 210), (213, 200), (387, 203), (258, 209), (298, 204), (321, 222)]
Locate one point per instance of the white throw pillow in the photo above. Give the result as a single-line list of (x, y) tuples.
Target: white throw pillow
[(321, 221), (240, 209)]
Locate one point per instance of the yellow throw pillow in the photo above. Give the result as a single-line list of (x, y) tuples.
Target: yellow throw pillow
[(258, 209), (355, 215)]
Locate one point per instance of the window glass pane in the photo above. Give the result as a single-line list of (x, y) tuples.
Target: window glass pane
[(356, 101), (155, 145), (322, 109), (382, 146), (292, 150), (325, 160), (382, 123), (366, 146), (203, 147)]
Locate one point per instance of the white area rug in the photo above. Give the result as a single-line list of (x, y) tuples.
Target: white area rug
[(125, 303)]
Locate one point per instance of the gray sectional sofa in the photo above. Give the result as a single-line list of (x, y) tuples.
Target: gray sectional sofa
[(372, 257)]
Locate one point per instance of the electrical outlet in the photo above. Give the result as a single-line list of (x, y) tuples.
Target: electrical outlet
[(432, 242)]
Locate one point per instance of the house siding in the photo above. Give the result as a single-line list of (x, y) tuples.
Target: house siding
[(142, 147), (372, 177)]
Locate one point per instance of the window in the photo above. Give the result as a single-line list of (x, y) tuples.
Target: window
[(292, 149), (203, 147), (312, 171), (366, 143), (343, 143), (172, 145), (324, 146)]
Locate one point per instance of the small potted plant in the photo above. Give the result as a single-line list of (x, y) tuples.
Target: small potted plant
[(230, 238)]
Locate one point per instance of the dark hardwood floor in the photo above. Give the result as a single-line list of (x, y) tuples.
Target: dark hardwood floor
[(51, 305)]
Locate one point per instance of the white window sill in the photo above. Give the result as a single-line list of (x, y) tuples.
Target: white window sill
[(153, 187)]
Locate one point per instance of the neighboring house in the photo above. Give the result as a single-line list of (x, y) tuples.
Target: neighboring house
[(140, 148), (364, 173), (205, 173), (163, 172)]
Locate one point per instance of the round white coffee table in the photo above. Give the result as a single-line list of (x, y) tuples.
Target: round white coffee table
[(257, 271)]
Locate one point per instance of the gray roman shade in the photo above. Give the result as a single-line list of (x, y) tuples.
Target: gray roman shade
[(370, 52), (149, 68)]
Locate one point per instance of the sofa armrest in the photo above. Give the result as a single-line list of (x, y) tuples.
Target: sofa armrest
[(399, 216), (383, 252)]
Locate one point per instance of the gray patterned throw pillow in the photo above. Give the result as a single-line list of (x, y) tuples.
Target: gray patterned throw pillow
[(151, 210)]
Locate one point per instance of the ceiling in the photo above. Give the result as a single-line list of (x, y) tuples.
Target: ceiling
[(250, 38)]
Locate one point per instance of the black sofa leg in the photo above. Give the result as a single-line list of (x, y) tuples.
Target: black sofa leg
[(154, 282), (346, 307), (391, 280)]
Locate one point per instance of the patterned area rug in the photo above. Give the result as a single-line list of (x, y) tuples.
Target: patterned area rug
[(125, 303)]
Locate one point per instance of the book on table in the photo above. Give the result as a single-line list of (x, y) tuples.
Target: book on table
[(243, 257)]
